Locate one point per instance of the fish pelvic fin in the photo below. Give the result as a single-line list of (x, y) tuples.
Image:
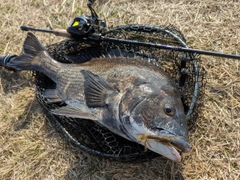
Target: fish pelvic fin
[(81, 112), (98, 92), (31, 48)]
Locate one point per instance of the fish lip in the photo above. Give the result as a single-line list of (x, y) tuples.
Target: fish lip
[(153, 142), (176, 156), (178, 142), (181, 144)]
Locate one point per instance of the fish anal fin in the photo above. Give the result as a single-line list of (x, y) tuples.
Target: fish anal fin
[(52, 96), (98, 92), (81, 112)]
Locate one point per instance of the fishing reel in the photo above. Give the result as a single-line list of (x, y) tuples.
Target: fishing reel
[(81, 27), (85, 25)]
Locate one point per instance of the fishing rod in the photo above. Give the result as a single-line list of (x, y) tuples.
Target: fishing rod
[(98, 37)]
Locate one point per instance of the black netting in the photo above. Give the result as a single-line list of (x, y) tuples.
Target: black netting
[(181, 66)]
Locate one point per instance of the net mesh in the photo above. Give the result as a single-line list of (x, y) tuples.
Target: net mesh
[(181, 66)]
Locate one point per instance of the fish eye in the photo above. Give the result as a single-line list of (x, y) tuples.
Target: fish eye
[(169, 110)]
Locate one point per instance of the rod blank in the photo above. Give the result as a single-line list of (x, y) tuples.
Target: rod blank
[(174, 48), (62, 33)]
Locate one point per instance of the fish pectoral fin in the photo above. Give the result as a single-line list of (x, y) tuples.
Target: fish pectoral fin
[(75, 112), (97, 91)]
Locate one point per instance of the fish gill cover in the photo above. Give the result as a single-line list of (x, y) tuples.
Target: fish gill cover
[(183, 67)]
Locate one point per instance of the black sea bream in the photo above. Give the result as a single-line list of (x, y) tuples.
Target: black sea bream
[(130, 97)]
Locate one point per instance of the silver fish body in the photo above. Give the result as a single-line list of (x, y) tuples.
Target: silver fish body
[(130, 97)]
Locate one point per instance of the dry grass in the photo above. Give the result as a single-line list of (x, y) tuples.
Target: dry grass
[(31, 149)]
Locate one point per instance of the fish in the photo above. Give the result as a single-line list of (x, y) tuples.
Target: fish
[(129, 96)]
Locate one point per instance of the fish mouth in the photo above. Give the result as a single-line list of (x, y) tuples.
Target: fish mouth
[(166, 144), (178, 142)]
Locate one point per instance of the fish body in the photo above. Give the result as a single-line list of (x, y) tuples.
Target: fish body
[(130, 97)]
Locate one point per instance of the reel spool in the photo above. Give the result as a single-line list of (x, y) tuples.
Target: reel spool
[(183, 67)]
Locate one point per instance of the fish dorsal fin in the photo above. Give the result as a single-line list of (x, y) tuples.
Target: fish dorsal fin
[(81, 112), (32, 45), (97, 90)]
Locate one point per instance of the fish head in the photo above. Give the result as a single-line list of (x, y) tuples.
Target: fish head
[(157, 119), (169, 114), (169, 123)]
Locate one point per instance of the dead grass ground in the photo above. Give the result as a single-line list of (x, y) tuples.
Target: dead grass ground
[(31, 149)]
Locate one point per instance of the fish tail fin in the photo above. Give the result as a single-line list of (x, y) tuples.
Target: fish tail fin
[(31, 48)]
